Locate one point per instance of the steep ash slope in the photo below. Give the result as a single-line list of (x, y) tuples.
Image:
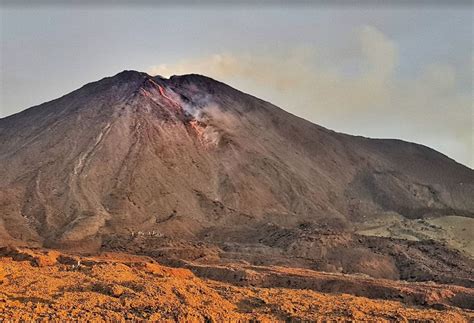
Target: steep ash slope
[(192, 158)]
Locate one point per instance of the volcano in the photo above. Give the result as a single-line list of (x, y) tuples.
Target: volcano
[(191, 169)]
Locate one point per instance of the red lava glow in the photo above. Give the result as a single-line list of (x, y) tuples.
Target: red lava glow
[(161, 91), (197, 127), (163, 94), (195, 124), (146, 93)]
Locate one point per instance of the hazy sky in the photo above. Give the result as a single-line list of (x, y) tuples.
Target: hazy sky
[(383, 71)]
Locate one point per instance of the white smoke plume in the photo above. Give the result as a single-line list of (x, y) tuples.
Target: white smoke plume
[(357, 90)]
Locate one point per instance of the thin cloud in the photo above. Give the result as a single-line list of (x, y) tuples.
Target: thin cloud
[(357, 92)]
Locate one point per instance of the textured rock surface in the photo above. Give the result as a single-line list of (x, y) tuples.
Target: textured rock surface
[(126, 287)]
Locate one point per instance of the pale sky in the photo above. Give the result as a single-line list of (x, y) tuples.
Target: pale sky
[(384, 71)]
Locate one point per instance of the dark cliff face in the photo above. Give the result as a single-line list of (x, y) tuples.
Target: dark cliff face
[(191, 157)]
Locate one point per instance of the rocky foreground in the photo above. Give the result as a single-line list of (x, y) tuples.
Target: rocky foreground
[(40, 284)]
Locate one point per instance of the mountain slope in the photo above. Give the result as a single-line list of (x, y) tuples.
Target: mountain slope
[(189, 158)]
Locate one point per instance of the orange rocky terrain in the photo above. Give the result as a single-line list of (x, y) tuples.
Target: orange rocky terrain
[(40, 284)]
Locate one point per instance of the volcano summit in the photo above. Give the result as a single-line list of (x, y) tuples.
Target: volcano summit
[(190, 170)]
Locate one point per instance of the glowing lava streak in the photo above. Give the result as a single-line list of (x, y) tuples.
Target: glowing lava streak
[(162, 92), (197, 127), (199, 130)]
